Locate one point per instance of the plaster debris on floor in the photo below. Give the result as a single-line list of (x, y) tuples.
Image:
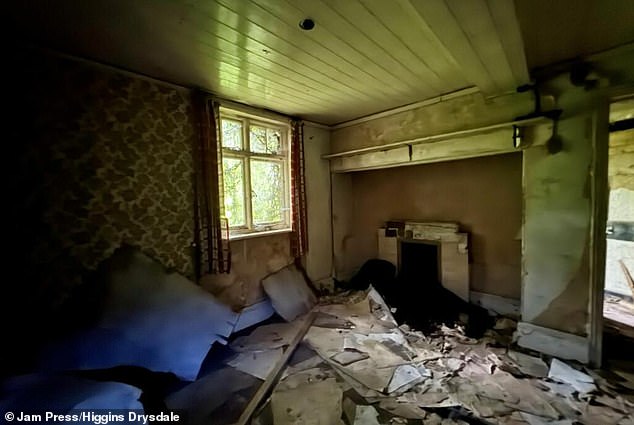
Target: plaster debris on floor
[(357, 366)]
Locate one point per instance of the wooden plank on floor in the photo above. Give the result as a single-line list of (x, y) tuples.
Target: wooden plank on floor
[(275, 372)]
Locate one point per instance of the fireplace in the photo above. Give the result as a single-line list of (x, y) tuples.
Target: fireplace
[(419, 261), (429, 250)]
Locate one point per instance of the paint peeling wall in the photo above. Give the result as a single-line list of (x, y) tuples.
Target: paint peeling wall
[(565, 212), (251, 260), (557, 229), (455, 114), (344, 246), (463, 191), (318, 260)]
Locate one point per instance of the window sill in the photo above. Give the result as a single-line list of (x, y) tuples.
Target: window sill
[(251, 235)]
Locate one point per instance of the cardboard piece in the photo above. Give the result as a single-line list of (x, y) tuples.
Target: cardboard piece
[(290, 295)]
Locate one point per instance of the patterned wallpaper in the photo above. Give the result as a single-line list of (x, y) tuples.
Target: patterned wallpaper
[(103, 159)]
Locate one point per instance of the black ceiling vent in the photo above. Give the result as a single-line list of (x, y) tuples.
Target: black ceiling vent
[(307, 24)]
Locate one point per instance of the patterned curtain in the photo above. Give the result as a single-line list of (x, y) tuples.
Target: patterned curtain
[(212, 252), (299, 235)]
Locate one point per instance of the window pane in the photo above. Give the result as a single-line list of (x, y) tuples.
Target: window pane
[(265, 140), (267, 191), (231, 134), (233, 170), (273, 140)]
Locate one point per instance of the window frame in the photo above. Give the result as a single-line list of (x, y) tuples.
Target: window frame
[(246, 155)]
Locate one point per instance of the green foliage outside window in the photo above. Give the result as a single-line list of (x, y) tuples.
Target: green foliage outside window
[(266, 191), (233, 170), (256, 164)]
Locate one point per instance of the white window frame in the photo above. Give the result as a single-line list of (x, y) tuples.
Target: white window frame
[(251, 229)]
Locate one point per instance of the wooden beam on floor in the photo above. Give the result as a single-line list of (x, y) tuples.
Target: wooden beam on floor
[(274, 375)]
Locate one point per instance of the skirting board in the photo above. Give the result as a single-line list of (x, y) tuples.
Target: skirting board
[(495, 304), (552, 342)]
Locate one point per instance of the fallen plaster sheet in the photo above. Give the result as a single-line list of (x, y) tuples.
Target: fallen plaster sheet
[(481, 406), (325, 320), (529, 399), (290, 295), (148, 317), (628, 379), (384, 313), (600, 415), (561, 372), (309, 363), (254, 314), (369, 373), (431, 394), (434, 419), (479, 383), (349, 356), (368, 315), (358, 315), (529, 365), (404, 378), (374, 372), (359, 414), (267, 337), (305, 377), (200, 398), (315, 403), (627, 420), (538, 420), (392, 342), (405, 410), (366, 415), (256, 363)]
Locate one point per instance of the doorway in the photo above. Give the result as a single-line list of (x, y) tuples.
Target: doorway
[(618, 304)]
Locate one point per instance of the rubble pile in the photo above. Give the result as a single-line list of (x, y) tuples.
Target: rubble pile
[(356, 366)]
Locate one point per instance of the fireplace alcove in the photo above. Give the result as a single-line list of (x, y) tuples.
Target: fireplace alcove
[(419, 261), (429, 251)]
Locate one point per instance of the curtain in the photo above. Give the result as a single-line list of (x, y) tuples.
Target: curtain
[(211, 239), (299, 235)]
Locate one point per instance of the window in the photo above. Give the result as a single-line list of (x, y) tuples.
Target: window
[(255, 166)]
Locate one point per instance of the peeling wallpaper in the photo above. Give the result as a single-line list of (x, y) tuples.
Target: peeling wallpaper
[(101, 159)]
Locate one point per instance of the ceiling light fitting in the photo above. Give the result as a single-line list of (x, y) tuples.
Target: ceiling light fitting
[(307, 24)]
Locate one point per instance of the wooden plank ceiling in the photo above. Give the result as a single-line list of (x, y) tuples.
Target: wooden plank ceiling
[(362, 57)]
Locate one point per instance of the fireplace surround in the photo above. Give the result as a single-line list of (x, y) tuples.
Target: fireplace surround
[(451, 252)]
